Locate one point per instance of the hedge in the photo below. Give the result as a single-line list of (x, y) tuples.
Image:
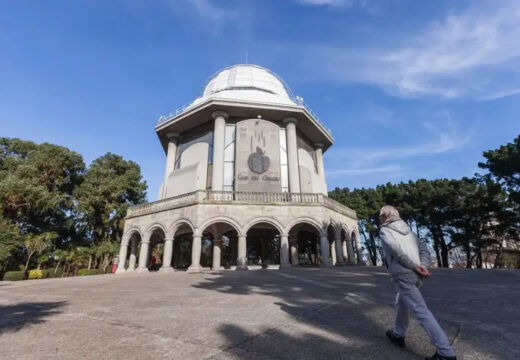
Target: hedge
[(85, 272), (13, 275)]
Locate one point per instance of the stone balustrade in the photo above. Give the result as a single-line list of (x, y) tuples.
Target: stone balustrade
[(237, 197)]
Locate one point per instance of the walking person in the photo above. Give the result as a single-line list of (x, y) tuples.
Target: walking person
[(407, 259)]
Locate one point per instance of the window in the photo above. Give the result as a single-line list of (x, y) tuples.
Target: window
[(284, 172), (229, 157)]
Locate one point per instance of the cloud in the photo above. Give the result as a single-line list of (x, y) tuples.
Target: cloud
[(393, 161), (473, 53), (391, 169), (328, 2)]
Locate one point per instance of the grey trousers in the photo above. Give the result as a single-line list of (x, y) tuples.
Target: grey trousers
[(410, 300)]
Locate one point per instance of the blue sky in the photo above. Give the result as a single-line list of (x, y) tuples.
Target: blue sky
[(410, 89)]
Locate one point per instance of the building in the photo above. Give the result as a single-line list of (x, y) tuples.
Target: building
[(244, 185)]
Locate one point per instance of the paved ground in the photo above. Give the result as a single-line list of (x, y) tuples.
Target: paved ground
[(340, 313)]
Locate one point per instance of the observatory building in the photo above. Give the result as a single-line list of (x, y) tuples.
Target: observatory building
[(244, 185)]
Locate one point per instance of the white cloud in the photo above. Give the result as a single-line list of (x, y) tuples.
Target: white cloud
[(328, 2), (392, 161), (474, 53), (392, 170)]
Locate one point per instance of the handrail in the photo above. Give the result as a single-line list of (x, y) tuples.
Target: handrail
[(298, 101), (239, 197)]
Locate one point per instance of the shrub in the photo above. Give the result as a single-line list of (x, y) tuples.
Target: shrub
[(49, 273), (35, 274), (85, 272), (13, 275)]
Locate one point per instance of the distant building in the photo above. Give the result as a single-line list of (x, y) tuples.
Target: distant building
[(244, 184)]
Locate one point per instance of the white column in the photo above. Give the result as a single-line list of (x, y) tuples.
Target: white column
[(344, 251), (167, 255), (359, 251), (333, 252), (217, 253), (294, 252), (242, 249), (133, 256), (170, 160), (292, 155), (196, 247), (284, 251), (350, 250), (217, 180), (339, 251), (318, 150), (143, 256), (324, 246), (122, 259)]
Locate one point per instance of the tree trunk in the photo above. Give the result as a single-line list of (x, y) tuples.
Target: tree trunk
[(89, 261), (468, 257), (26, 271)]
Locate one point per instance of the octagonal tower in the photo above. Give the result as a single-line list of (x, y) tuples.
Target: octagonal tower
[(244, 185)]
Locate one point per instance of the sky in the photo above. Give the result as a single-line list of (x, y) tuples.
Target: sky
[(410, 89)]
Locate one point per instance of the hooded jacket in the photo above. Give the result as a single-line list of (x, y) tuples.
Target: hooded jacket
[(403, 250)]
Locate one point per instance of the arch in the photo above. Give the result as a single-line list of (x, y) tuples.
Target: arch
[(221, 219), (129, 233), (304, 220), (347, 230), (177, 223), (149, 231), (266, 220)]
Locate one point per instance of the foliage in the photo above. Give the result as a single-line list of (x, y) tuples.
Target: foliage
[(86, 272), (55, 213), (36, 274), (111, 186), (14, 275)]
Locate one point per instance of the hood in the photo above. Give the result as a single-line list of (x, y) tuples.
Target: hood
[(399, 225)]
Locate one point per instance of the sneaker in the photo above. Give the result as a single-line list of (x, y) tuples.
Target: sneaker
[(436, 356), (396, 340)]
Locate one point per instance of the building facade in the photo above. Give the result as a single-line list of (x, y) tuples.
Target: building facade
[(244, 185)]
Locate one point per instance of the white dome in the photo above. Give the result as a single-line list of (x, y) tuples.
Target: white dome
[(248, 83)]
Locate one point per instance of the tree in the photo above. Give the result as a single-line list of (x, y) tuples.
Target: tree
[(36, 244), (504, 165), (111, 186), (36, 186), (10, 242)]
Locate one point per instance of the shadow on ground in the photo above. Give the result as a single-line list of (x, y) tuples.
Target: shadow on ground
[(15, 317), (341, 315)]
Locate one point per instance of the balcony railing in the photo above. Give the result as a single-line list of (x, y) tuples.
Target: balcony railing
[(239, 197)]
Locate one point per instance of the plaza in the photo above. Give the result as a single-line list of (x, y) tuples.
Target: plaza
[(295, 313)]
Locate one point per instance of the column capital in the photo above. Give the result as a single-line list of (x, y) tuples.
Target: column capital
[(172, 136), (318, 145), (217, 114), (290, 120)]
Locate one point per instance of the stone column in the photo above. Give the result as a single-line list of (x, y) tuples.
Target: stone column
[(133, 256), (292, 155), (242, 256), (339, 251), (284, 251), (324, 246), (294, 252), (143, 256), (217, 180), (350, 250), (170, 160), (122, 259), (167, 255), (217, 253), (196, 247), (344, 251), (318, 150), (359, 251), (333, 252)]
